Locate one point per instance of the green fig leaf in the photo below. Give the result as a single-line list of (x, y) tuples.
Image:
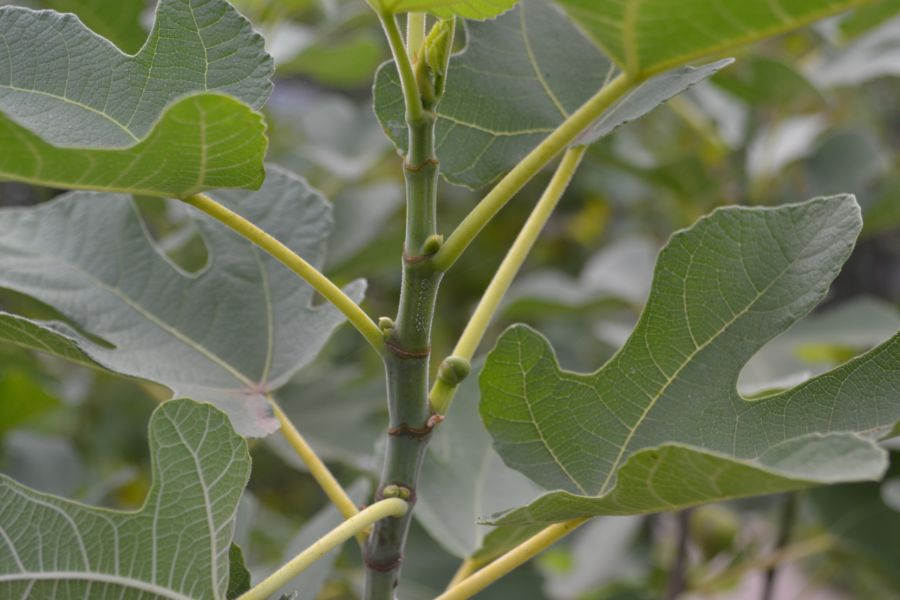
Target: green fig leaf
[(176, 118), (646, 37), (662, 426)]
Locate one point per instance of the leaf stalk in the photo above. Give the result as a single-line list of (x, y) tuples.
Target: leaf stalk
[(515, 180), (516, 557), (442, 392), (319, 282), (316, 466), (392, 507)]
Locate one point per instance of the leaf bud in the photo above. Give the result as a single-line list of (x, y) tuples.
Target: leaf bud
[(386, 324), (396, 491), (433, 244), (454, 370), (438, 46)]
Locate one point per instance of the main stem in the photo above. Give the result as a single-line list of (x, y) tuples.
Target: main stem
[(406, 357)]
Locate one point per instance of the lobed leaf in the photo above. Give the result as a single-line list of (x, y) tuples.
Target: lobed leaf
[(519, 78), (646, 37), (238, 574), (230, 334), (77, 112), (445, 9), (662, 425), (202, 142), (176, 546), (818, 343)]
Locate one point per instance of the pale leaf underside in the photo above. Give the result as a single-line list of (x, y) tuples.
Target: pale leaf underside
[(230, 335), (41, 336)]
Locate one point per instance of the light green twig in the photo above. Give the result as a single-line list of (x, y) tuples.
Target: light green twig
[(357, 317), (391, 507), (316, 466), (442, 392), (519, 555), (555, 143)]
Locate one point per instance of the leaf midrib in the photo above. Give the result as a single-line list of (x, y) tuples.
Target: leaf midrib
[(207, 504), (189, 342), (90, 576), (74, 103), (197, 346)]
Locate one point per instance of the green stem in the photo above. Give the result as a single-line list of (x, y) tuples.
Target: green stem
[(442, 392), (408, 343), (393, 507), (421, 175), (327, 288), (555, 143), (406, 366)]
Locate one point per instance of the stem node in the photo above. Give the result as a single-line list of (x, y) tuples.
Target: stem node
[(395, 349), (416, 433)]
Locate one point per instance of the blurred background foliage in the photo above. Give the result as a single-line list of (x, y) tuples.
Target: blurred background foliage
[(814, 112)]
